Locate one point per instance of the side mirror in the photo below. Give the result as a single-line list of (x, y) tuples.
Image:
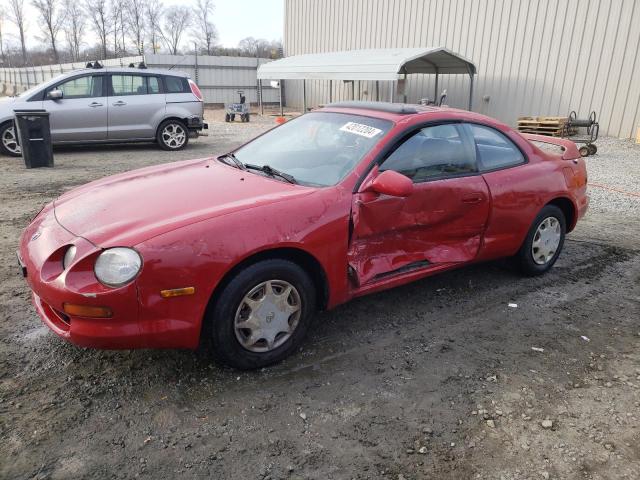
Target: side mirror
[(391, 183), (55, 94)]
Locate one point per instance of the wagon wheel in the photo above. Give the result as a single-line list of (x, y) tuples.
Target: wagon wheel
[(592, 149), (584, 151)]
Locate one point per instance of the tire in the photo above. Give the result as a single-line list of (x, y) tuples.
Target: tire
[(584, 151), (592, 149), (231, 309), (233, 117), (172, 135), (227, 117), (8, 143), (534, 260)]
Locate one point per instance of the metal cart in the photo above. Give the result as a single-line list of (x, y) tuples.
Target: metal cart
[(241, 109), (588, 137)]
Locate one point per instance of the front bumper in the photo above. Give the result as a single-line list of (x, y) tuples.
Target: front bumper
[(41, 247)]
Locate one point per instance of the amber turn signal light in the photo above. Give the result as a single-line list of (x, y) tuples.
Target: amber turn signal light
[(87, 311), (177, 292)]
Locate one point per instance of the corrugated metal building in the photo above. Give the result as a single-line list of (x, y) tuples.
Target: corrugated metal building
[(534, 57)]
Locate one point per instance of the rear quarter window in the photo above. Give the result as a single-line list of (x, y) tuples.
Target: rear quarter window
[(176, 85), (495, 150)]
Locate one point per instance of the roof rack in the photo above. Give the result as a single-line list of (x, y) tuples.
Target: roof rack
[(400, 108)]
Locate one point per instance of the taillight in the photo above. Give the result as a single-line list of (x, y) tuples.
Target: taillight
[(195, 90)]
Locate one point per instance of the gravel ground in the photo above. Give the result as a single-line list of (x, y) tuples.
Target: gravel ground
[(437, 379)]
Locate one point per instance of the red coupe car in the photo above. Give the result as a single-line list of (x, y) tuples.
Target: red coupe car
[(241, 249)]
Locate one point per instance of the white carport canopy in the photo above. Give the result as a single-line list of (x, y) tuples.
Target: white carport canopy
[(388, 64)]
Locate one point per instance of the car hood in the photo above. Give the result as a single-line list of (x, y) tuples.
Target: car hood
[(130, 208), (7, 104)]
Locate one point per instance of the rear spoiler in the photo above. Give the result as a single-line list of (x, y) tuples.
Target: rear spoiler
[(569, 148)]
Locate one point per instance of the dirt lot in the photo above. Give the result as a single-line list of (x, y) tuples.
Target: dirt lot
[(433, 380)]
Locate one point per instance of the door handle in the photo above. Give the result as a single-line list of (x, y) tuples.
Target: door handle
[(119, 103), (95, 104), (475, 197)]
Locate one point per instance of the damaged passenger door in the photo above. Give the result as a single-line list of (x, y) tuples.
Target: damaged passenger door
[(440, 222)]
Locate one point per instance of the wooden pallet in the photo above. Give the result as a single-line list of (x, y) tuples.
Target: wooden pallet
[(550, 126)]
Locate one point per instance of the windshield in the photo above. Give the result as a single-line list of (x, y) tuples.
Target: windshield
[(319, 148)]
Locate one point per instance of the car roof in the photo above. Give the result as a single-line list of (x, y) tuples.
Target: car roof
[(388, 111), (397, 112), (156, 71)]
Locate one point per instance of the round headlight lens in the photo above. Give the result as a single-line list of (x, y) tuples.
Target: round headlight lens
[(69, 255), (117, 266)]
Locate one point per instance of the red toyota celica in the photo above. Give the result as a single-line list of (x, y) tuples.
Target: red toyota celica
[(241, 249)]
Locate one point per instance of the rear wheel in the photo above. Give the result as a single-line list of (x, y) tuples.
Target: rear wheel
[(172, 135), (9, 141), (262, 315), (544, 241), (227, 117), (584, 151)]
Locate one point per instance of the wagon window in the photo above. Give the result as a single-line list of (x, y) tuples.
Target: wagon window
[(128, 85), (494, 149), (175, 85), (82, 87), (434, 152)]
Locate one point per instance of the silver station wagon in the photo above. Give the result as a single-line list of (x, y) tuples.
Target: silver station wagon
[(111, 105)]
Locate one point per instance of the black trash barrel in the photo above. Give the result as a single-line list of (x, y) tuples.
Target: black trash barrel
[(34, 136)]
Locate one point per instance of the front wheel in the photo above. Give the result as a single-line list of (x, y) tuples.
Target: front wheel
[(9, 141), (544, 241), (172, 135), (262, 315)]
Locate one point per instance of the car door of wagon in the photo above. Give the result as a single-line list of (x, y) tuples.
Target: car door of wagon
[(441, 222)]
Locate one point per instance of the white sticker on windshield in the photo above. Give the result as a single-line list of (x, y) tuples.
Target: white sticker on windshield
[(360, 129)]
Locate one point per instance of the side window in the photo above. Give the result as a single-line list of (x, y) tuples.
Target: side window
[(495, 149), (128, 85), (82, 87), (174, 84), (434, 152), (153, 84)]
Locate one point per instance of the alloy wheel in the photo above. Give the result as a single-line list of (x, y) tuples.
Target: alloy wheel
[(10, 142), (174, 135)]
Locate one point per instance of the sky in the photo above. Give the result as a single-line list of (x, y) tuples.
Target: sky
[(234, 19)]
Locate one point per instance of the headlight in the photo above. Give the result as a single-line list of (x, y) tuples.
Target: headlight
[(69, 255), (117, 266)]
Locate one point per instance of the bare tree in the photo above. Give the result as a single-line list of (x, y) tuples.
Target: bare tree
[(16, 16), (74, 27), (153, 12), (52, 20), (135, 19), (98, 12), (176, 20), (204, 28), (117, 30), (256, 47), (3, 15)]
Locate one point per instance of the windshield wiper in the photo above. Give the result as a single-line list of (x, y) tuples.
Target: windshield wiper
[(237, 162), (269, 170)]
